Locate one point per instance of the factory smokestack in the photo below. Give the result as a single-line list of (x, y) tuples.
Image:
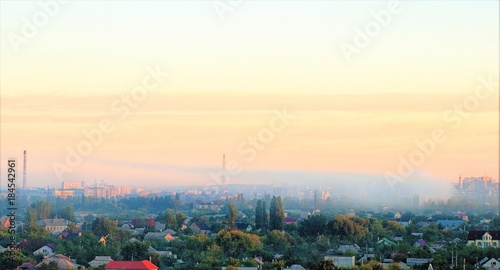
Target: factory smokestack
[(24, 171)]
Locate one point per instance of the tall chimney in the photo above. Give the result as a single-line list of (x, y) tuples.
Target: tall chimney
[(24, 171)]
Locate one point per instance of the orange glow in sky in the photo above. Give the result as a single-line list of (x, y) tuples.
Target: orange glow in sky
[(154, 94)]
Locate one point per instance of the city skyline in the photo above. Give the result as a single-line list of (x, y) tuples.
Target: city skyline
[(160, 92)]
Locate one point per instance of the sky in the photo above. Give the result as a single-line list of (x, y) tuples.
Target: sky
[(153, 94)]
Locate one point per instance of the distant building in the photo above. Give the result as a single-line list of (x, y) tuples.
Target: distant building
[(66, 193), (482, 189), (208, 206), (73, 185)]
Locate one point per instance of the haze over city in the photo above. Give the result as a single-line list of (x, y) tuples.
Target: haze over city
[(267, 84)]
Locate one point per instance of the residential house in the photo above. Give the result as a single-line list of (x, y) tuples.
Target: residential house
[(439, 244), (159, 226), (484, 239), (420, 243), (342, 261), (54, 225), (26, 266), (401, 265), (2, 249), (489, 264), (366, 258), (386, 242), (70, 235), (289, 220), (295, 267), (418, 234), (200, 227), (345, 248), (102, 240), (167, 253), (450, 224), (417, 261), (214, 206), (22, 244), (4, 222), (423, 224), (49, 249), (135, 231), (127, 265), (397, 238), (404, 222), (63, 262), (243, 226), (168, 235), (244, 268), (100, 260)]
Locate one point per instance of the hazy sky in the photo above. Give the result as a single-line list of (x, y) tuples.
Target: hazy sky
[(66, 68)]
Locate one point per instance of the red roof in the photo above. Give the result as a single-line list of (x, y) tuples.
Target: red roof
[(131, 265)]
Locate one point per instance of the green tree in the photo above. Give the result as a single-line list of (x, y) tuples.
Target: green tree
[(49, 266), (102, 226), (325, 265), (211, 258), (38, 210), (66, 212), (276, 241), (232, 215), (136, 251), (10, 261), (278, 264), (235, 243), (258, 216), (313, 225), (171, 220), (181, 218), (276, 214)]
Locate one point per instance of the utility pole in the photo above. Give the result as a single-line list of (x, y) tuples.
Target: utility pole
[(452, 257)]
